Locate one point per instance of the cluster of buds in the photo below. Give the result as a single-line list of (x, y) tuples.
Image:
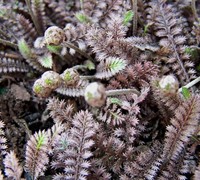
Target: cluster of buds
[(95, 93), (49, 81)]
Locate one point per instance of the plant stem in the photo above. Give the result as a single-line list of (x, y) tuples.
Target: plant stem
[(8, 43), (69, 45), (117, 92), (88, 77), (194, 10), (135, 17), (190, 84), (38, 29), (79, 67)]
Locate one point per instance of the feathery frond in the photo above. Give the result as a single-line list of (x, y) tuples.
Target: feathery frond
[(37, 7), (3, 140), (79, 143), (12, 168), (60, 111), (36, 154), (73, 91), (183, 126), (110, 67), (10, 63), (168, 27)]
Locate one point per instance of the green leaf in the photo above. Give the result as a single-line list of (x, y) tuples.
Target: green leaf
[(89, 64), (128, 16), (24, 49), (82, 18), (110, 67), (40, 140), (2, 12), (185, 92), (115, 101), (116, 65), (188, 50), (54, 49), (146, 28), (46, 61)]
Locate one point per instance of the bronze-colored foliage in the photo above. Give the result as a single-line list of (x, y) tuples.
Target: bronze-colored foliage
[(108, 90)]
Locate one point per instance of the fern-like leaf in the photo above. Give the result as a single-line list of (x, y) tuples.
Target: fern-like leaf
[(183, 126), (60, 111), (110, 67), (169, 29), (12, 168), (36, 154), (3, 140), (77, 152), (10, 63), (46, 61), (38, 9)]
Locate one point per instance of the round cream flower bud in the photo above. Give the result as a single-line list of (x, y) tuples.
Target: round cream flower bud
[(95, 94), (51, 80), (169, 83), (70, 77), (40, 90), (54, 35)]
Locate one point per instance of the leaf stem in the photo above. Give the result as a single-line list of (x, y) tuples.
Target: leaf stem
[(38, 29), (194, 10), (190, 84), (69, 45), (135, 17), (117, 92)]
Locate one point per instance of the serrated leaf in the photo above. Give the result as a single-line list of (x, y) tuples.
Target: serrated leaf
[(110, 67), (40, 140), (185, 92), (54, 49), (24, 49), (117, 65), (46, 61), (128, 16), (115, 101)]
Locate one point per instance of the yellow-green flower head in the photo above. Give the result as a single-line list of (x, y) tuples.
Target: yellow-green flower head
[(95, 94), (54, 35), (51, 79), (169, 83), (40, 90), (70, 77)]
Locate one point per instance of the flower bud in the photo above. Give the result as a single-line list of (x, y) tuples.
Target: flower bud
[(40, 90), (95, 94), (54, 35), (70, 77), (169, 83), (51, 80)]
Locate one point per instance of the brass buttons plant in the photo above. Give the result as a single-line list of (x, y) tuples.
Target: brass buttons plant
[(54, 36), (95, 94)]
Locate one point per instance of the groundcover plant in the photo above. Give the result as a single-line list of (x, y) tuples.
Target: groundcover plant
[(99, 89)]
